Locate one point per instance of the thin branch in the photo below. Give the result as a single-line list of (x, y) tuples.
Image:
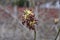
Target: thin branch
[(57, 35)]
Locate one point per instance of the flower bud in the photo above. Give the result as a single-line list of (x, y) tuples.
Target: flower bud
[(56, 20)]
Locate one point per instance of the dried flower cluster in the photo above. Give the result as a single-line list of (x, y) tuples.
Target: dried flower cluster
[(30, 21)]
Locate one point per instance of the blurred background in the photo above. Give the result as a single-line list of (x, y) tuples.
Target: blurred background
[(45, 11)]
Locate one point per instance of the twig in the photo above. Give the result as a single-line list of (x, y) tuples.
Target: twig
[(57, 34)]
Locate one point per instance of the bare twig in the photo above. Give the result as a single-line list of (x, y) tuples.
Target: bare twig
[(57, 34)]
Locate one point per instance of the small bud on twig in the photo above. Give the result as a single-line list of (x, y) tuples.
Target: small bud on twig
[(56, 20)]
